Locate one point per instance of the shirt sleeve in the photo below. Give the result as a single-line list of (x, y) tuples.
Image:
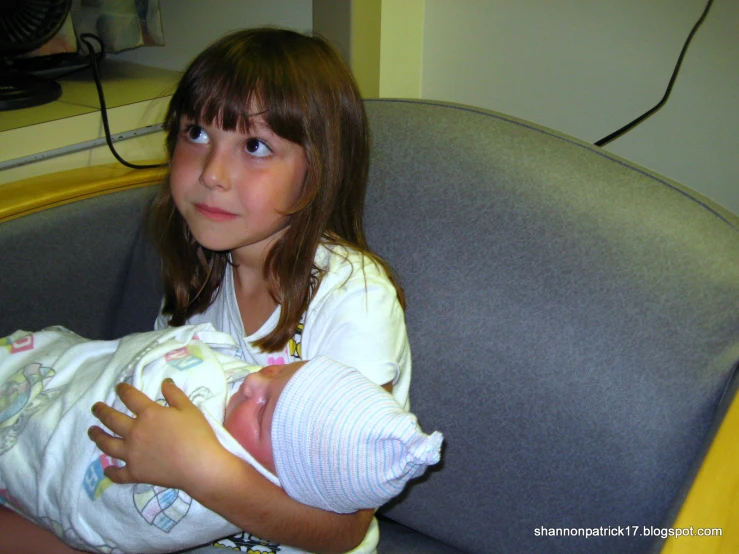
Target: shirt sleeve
[(358, 321)]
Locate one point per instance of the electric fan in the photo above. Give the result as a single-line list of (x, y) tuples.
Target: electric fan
[(26, 25)]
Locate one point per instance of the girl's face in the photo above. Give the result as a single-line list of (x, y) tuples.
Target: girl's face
[(249, 412), (233, 189)]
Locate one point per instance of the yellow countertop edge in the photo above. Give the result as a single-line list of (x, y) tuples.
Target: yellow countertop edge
[(20, 198), (713, 499)]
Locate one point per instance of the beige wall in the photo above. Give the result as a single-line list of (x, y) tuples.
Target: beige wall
[(381, 39), (190, 25), (582, 67), (587, 68), (401, 48), (366, 30)]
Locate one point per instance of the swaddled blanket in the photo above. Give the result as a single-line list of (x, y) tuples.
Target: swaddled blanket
[(52, 473)]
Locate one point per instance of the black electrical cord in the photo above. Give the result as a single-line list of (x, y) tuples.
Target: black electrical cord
[(101, 96), (662, 102)]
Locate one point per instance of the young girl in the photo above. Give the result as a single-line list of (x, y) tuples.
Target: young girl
[(260, 230)]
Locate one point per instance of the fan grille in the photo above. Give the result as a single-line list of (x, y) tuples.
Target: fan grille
[(27, 24)]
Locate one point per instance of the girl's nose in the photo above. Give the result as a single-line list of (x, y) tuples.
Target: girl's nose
[(215, 171)]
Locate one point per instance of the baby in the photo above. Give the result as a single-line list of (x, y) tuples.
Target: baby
[(321, 430)]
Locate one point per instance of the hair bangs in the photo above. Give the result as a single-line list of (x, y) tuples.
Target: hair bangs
[(223, 99)]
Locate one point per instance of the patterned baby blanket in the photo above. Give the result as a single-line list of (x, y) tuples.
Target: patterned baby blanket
[(51, 473)]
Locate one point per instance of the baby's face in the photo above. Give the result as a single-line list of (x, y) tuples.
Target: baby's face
[(249, 412)]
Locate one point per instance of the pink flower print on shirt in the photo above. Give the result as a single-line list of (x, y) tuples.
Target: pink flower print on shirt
[(275, 361)]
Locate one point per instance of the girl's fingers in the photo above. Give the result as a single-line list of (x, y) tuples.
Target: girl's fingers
[(119, 475), (152, 440), (174, 395), (114, 420), (112, 446), (133, 398)]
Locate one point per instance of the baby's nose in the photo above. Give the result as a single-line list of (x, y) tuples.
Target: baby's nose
[(246, 389), (252, 385)]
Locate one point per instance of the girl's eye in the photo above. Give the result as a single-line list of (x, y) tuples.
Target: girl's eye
[(257, 148), (196, 134)]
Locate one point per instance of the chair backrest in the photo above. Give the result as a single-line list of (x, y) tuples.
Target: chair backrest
[(573, 321), (72, 266)]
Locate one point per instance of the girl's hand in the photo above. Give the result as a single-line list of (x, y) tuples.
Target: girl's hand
[(175, 447), (163, 446)]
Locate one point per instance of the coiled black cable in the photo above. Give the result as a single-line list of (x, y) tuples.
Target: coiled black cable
[(101, 96)]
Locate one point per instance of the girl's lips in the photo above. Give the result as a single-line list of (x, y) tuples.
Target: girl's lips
[(214, 214)]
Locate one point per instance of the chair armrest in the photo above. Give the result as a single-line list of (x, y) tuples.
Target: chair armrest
[(713, 499)]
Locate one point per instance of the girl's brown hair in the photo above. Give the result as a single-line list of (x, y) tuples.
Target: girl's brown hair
[(308, 96)]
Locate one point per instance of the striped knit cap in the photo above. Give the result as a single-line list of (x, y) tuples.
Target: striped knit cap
[(342, 443)]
